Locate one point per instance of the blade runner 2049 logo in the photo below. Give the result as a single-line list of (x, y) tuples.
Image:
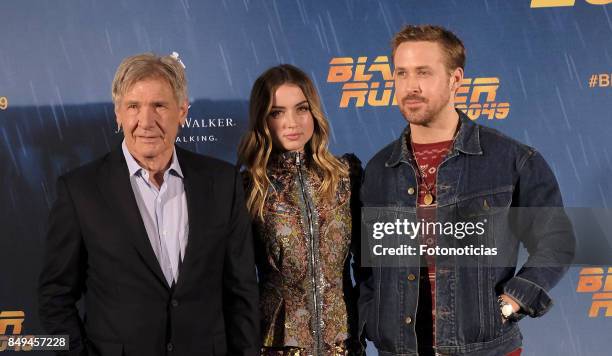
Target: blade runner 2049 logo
[(370, 82), (562, 3), (595, 281)]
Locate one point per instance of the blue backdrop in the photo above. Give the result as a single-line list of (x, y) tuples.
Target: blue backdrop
[(541, 67)]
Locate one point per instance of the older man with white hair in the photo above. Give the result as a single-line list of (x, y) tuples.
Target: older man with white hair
[(155, 238)]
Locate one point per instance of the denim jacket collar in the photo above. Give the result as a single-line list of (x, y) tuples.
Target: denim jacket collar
[(467, 141)]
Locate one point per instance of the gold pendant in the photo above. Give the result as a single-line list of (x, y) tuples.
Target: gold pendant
[(428, 199)]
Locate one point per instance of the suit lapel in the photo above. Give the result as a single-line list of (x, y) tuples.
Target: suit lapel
[(198, 190), (114, 182)]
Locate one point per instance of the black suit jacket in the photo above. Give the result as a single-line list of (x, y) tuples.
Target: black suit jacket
[(97, 246)]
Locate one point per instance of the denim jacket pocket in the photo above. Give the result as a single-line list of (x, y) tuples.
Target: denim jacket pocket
[(484, 203), (489, 211)]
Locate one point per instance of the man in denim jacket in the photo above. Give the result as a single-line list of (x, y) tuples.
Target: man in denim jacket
[(444, 161)]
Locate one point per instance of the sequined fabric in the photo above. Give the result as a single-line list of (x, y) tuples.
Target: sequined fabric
[(308, 305), (339, 349)]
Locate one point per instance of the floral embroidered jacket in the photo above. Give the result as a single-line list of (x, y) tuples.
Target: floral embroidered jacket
[(303, 252)]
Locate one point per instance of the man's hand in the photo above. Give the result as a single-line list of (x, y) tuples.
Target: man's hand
[(515, 306)]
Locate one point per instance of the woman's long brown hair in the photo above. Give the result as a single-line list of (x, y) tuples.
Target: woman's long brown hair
[(256, 145)]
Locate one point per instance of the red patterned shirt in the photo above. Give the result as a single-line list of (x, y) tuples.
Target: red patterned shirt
[(428, 157)]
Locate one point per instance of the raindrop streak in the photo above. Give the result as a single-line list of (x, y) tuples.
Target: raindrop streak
[(520, 75), (349, 9), (596, 154), (527, 138), (385, 19), (571, 59), (571, 159), (333, 32), (563, 108), (584, 155), (61, 104), (324, 107), (324, 33), (273, 41), (579, 31), (570, 334), (527, 42), (13, 200), (185, 8), (254, 53), (363, 128), (20, 138), (35, 99), (10, 149), (65, 51), (316, 26), (569, 68), (226, 66), (603, 196), (607, 17), (108, 41), (46, 194), (607, 156), (303, 12), (57, 124), (278, 18), (143, 36), (106, 143)]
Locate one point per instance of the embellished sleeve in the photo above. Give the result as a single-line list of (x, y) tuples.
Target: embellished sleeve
[(355, 178), (355, 172)]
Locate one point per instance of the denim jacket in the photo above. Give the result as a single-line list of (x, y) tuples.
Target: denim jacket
[(484, 169)]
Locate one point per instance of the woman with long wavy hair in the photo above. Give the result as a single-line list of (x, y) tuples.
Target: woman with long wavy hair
[(301, 199)]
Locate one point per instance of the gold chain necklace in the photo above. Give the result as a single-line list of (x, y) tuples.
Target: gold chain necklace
[(428, 199)]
